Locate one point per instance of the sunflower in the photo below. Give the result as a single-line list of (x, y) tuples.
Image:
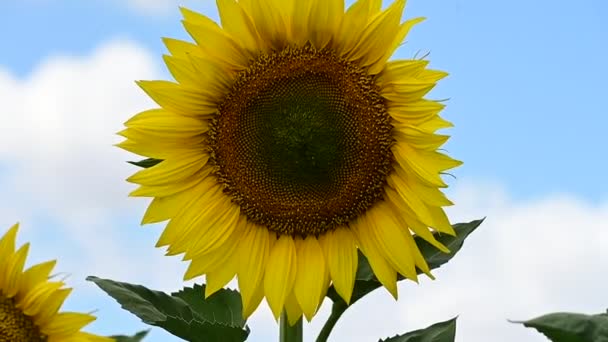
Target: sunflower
[(29, 302), (289, 141)]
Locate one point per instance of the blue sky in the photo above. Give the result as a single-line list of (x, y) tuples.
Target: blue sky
[(527, 88)]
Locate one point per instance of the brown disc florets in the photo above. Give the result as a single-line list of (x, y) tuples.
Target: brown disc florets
[(302, 141)]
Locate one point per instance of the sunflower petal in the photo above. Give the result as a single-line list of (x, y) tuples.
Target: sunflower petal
[(253, 252), (385, 273), (372, 44), (293, 309), (13, 273), (280, 274), (165, 122), (67, 323), (390, 238), (238, 24), (403, 30), (308, 284), (341, 256), (219, 277), (324, 20), (177, 98)]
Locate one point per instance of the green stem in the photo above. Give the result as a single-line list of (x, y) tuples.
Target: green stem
[(337, 309), (288, 333)]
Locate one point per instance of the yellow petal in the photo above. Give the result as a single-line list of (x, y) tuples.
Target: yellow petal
[(7, 243), (441, 222), (410, 219), (173, 170), (67, 323), (302, 11), (217, 44), (340, 250), (178, 98), (165, 122), (396, 71), (238, 24), (215, 259), (219, 277), (293, 309), (253, 252), (45, 307), (426, 165), (181, 49), (213, 231), (217, 79), (372, 44), (309, 284), (7, 248), (397, 180), (353, 23), (182, 70), (385, 273), (270, 21), (403, 30), (390, 237), (164, 190), (207, 194), (156, 149), (415, 112), (164, 208), (324, 21), (280, 274), (418, 138), (254, 302), (13, 273), (33, 276), (434, 123)]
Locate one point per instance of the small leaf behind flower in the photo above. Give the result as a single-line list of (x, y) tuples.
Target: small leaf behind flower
[(438, 332), (571, 327), (135, 338), (184, 314), (146, 163)]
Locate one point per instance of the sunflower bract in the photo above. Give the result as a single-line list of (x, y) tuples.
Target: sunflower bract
[(290, 141)]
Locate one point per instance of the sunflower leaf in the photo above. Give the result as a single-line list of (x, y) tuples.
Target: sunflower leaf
[(571, 327), (438, 332), (146, 163), (185, 314), (366, 281), (224, 307), (135, 338)]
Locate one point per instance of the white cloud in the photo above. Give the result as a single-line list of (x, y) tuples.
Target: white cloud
[(57, 164)]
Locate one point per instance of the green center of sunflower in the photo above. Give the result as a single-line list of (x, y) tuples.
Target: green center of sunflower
[(16, 326), (302, 141)]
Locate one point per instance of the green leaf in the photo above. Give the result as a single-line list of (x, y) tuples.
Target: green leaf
[(135, 338), (366, 281), (571, 327), (438, 332), (146, 163), (225, 309), (185, 314)]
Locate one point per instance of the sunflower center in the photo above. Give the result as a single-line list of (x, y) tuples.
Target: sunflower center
[(16, 326), (302, 141)]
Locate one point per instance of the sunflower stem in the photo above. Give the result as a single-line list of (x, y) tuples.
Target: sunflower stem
[(337, 309), (290, 333)]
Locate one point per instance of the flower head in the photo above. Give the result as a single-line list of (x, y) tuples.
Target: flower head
[(288, 142), (29, 301)]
